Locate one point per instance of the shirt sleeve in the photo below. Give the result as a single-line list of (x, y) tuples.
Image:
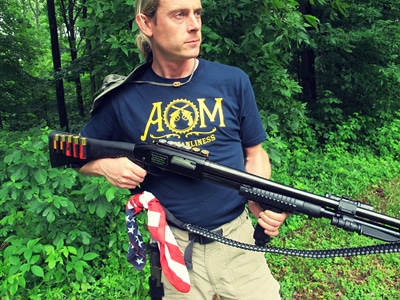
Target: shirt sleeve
[(252, 130), (103, 123)]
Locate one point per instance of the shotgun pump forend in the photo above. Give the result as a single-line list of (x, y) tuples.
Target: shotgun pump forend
[(68, 149)]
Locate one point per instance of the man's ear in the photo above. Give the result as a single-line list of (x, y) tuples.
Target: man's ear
[(145, 25)]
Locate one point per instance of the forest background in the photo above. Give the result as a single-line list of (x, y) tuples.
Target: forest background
[(327, 80)]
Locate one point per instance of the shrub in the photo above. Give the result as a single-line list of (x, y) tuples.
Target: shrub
[(58, 230)]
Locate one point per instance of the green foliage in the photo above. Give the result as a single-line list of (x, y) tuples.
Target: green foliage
[(57, 227), (358, 60), (111, 29), (365, 177), (386, 141), (25, 96)]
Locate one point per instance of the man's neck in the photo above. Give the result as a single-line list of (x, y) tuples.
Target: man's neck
[(173, 70)]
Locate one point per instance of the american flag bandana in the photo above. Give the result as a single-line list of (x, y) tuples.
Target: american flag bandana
[(171, 259)]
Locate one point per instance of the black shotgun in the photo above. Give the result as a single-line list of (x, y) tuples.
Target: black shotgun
[(68, 149)]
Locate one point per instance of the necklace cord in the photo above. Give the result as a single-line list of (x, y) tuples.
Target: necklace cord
[(175, 84)]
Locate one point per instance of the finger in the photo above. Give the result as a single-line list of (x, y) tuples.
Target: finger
[(123, 173), (130, 179), (137, 170), (274, 216), (269, 229)]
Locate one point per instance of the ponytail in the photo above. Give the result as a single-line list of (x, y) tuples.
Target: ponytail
[(148, 8)]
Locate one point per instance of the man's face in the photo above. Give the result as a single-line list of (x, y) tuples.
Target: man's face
[(176, 30)]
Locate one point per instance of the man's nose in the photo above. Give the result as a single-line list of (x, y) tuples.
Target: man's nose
[(194, 22)]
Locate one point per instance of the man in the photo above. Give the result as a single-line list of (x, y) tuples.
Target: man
[(192, 102)]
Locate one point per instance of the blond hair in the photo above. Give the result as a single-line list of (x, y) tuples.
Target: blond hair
[(148, 8)]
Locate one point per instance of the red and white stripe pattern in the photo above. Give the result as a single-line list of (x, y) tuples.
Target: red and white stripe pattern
[(171, 259)]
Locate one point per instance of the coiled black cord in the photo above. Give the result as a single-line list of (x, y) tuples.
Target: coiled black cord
[(325, 253)]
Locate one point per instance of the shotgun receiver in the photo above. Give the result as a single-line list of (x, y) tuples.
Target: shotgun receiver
[(66, 149)]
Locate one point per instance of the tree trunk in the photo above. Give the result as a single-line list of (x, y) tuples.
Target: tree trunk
[(307, 74), (93, 86), (307, 64), (69, 21), (55, 50)]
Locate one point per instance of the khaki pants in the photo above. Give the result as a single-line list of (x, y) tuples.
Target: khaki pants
[(226, 271)]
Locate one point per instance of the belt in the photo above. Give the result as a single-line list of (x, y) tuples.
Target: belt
[(202, 240), (196, 238), (192, 237)]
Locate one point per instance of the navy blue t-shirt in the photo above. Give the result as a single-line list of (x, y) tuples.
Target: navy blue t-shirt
[(215, 111)]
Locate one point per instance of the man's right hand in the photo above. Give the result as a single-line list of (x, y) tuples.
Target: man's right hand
[(120, 172)]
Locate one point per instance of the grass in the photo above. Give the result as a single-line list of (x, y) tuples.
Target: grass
[(361, 277)]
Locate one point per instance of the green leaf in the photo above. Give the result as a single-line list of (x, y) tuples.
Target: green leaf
[(101, 210), (49, 214), (69, 267), (86, 237), (41, 176), (37, 271), (60, 244), (28, 194), (32, 242), (80, 252), (92, 208), (25, 268), (34, 259), (37, 248), (257, 31), (52, 264), (22, 281), (90, 256), (20, 173), (13, 289), (14, 260), (28, 254), (312, 20), (15, 155), (110, 194), (12, 270), (72, 250)]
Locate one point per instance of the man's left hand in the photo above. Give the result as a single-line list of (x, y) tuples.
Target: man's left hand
[(271, 221)]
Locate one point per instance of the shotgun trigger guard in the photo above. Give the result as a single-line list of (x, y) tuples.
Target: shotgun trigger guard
[(154, 171), (149, 169)]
